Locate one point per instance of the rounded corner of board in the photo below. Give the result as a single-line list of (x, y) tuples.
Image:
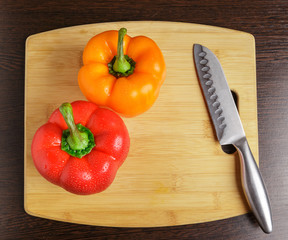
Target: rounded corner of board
[(27, 209), (250, 37), (28, 39)]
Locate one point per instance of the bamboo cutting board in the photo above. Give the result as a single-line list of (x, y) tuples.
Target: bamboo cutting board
[(176, 172)]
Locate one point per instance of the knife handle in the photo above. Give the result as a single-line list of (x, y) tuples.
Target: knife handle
[(254, 187)]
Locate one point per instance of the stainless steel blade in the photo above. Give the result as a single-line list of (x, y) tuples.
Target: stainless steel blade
[(229, 130), (218, 96)]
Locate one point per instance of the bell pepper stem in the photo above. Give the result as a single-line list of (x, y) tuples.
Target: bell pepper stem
[(121, 65), (77, 140)]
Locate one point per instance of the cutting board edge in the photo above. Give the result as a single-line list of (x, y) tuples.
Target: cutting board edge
[(31, 213), (224, 29)]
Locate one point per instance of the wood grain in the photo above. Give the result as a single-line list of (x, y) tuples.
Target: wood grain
[(267, 20), (176, 172)]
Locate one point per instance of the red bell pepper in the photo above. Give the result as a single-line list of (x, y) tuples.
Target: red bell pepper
[(84, 158)]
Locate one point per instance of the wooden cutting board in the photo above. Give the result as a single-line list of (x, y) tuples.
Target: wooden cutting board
[(176, 172)]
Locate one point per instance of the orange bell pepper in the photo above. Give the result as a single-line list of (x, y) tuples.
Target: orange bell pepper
[(121, 72)]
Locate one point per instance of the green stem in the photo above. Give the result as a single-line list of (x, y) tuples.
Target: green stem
[(77, 140), (121, 65)]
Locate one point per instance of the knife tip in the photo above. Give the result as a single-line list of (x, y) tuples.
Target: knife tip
[(197, 48), (197, 45)]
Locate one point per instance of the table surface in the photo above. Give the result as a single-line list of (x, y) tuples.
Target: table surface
[(266, 20)]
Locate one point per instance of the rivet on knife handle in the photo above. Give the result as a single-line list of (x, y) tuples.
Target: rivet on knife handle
[(229, 130)]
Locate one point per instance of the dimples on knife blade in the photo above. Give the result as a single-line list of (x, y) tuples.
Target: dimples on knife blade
[(218, 97), (229, 130)]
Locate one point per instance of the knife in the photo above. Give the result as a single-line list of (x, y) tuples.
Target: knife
[(229, 130)]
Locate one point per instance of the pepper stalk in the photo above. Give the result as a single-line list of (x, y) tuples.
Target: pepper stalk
[(121, 65), (77, 140)]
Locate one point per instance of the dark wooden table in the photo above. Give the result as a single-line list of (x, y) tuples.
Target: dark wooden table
[(267, 20)]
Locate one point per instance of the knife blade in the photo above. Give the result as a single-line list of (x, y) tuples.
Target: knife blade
[(229, 130)]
